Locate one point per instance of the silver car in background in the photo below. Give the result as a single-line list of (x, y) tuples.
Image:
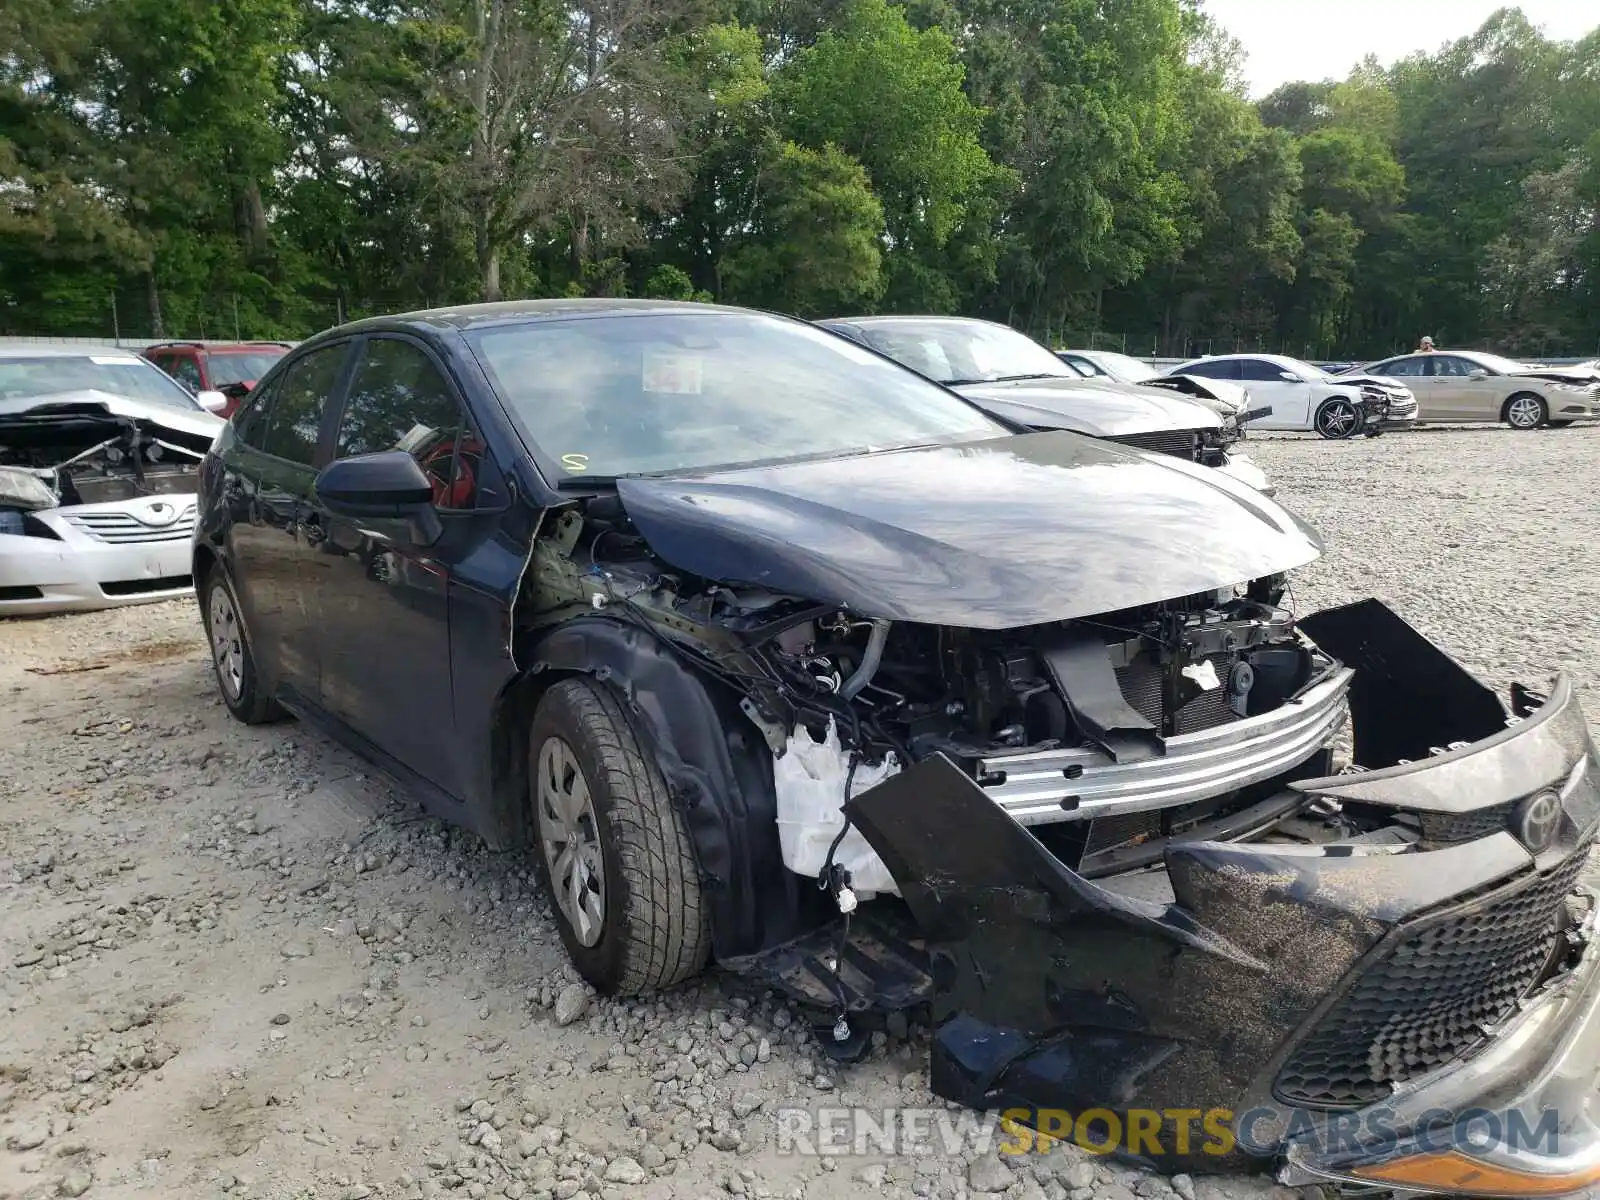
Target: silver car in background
[(99, 451), (1468, 385)]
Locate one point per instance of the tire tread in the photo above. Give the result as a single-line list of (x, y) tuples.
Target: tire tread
[(664, 919)]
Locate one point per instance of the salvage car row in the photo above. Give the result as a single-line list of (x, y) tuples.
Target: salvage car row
[(1456, 385), (899, 695)]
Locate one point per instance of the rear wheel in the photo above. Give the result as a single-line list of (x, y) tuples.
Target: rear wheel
[(614, 853), (1337, 419), (231, 656), (1526, 411)]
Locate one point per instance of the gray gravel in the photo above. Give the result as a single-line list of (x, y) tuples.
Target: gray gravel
[(233, 963), (1487, 540)]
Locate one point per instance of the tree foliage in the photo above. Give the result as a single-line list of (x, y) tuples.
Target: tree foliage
[(268, 167)]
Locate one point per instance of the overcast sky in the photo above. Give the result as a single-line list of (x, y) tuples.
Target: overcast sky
[(1321, 39)]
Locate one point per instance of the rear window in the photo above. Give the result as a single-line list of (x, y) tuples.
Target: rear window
[(51, 374)]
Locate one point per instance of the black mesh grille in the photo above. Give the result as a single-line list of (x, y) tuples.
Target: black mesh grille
[(1180, 443), (1118, 830), (1423, 1000), (1448, 828)]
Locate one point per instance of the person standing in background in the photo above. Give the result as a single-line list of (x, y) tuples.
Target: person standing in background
[(1425, 346)]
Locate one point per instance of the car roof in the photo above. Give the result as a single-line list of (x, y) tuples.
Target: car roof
[(11, 349), (510, 312), (221, 347), (918, 318), (1279, 359)]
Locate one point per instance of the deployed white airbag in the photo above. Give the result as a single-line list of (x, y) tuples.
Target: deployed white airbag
[(809, 778)]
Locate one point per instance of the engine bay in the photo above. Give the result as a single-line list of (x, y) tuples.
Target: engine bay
[(91, 456), (1186, 664)]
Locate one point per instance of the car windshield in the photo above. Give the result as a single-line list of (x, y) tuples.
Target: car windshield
[(665, 392), (1126, 368), (241, 366), (1305, 370), (51, 374), (954, 352), (1500, 366)]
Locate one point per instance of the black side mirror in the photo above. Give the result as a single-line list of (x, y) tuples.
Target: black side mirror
[(381, 487)]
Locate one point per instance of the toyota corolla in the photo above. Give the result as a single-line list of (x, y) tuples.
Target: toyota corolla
[(783, 658)]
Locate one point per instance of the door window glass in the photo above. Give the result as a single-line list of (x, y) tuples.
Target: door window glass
[(1259, 370), (1227, 369), (250, 419), (290, 426), (398, 400), (187, 371), (1448, 366), (1402, 368)]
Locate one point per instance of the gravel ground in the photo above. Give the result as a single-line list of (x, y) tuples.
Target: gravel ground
[(233, 962)]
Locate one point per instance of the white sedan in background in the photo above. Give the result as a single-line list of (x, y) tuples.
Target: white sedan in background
[(1305, 397), (99, 453)]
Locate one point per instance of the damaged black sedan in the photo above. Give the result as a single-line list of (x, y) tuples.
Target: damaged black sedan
[(784, 658)]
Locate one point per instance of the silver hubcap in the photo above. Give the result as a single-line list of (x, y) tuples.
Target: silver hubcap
[(570, 834), (1338, 419), (1525, 412), (227, 642)]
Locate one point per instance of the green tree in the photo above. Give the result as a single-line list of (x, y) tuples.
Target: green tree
[(891, 97), (814, 241)]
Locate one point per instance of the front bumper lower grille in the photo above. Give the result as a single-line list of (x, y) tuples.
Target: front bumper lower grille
[(1427, 996)]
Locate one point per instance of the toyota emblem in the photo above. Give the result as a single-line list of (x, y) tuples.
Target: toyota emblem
[(158, 514), (1536, 820)]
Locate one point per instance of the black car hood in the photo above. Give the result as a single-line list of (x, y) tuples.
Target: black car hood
[(993, 534), (1098, 408)]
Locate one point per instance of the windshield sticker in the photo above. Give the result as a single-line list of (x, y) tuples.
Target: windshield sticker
[(575, 462), (679, 374), (103, 360)]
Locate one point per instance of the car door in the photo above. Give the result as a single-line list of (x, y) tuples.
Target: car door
[(1290, 400), (267, 481), (1463, 397), (385, 601)]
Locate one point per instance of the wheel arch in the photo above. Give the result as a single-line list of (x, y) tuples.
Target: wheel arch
[(717, 767), (1505, 405), (201, 562)]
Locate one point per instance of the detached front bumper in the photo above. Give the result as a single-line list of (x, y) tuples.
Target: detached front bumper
[(1334, 1003)]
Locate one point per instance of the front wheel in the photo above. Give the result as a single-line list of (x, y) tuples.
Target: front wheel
[(1526, 411), (613, 852), (231, 656), (1337, 419)]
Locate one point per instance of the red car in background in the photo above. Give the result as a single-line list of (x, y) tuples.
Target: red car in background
[(231, 368)]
